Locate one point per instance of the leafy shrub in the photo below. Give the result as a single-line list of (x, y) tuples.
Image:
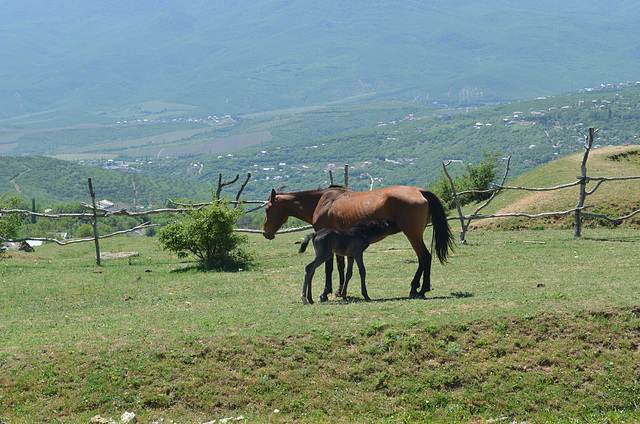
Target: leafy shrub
[(9, 224), (209, 235), (475, 177)]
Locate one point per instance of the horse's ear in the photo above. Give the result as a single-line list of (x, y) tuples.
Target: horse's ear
[(272, 199)]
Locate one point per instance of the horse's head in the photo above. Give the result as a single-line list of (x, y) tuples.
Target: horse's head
[(275, 217)]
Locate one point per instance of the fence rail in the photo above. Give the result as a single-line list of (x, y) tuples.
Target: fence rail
[(94, 213), (581, 181)]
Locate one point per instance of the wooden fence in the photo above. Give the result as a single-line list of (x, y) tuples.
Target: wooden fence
[(94, 213), (579, 212)]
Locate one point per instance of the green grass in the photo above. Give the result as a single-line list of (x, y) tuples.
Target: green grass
[(530, 325)]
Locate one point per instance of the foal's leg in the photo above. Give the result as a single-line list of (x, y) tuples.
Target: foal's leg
[(363, 274), (343, 288), (328, 288), (309, 270)]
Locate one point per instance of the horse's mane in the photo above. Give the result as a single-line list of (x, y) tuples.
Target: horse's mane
[(312, 191)]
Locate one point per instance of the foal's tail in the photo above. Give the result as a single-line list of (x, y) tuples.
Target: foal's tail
[(305, 242), (442, 237)]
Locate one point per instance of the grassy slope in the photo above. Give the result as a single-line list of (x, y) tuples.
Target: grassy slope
[(611, 198), (531, 331)]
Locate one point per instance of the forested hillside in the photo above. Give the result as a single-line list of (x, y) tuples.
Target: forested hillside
[(52, 181), (381, 145), (411, 148)]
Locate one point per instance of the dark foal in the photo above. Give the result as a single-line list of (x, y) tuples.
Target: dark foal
[(350, 243)]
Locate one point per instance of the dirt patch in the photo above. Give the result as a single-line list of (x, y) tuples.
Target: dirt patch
[(118, 255)]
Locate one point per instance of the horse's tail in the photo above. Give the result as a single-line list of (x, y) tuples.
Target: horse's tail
[(305, 242), (442, 237)]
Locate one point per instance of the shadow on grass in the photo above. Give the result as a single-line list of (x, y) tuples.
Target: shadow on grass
[(455, 295), (203, 269), (611, 240)]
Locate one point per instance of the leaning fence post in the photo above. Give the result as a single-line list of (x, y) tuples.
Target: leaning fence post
[(95, 222), (588, 142), (463, 226)]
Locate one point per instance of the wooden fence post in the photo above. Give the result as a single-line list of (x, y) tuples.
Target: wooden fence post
[(346, 175), (242, 188), (95, 222), (463, 226), (588, 142), (224, 184)]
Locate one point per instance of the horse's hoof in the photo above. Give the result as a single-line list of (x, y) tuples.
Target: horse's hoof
[(416, 296), (323, 298)]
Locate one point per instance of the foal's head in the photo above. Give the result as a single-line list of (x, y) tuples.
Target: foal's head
[(376, 229)]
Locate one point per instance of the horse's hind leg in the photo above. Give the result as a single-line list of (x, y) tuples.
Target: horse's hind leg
[(426, 265), (424, 270)]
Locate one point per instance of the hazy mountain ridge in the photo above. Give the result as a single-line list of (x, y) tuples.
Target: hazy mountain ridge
[(86, 59)]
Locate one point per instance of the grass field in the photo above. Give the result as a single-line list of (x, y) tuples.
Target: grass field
[(529, 326)]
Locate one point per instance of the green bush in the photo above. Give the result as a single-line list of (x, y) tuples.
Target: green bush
[(9, 224), (474, 177), (209, 235)]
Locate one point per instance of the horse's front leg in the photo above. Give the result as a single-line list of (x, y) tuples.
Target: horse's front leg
[(328, 288), (342, 290)]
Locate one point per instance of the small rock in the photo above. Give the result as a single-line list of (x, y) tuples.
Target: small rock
[(101, 420), (25, 247), (128, 418)]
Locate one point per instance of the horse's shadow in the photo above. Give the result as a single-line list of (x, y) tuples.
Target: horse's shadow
[(454, 295)]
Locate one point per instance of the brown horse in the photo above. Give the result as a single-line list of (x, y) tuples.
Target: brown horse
[(336, 207)]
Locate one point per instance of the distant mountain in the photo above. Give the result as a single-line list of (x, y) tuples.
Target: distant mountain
[(78, 61)]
